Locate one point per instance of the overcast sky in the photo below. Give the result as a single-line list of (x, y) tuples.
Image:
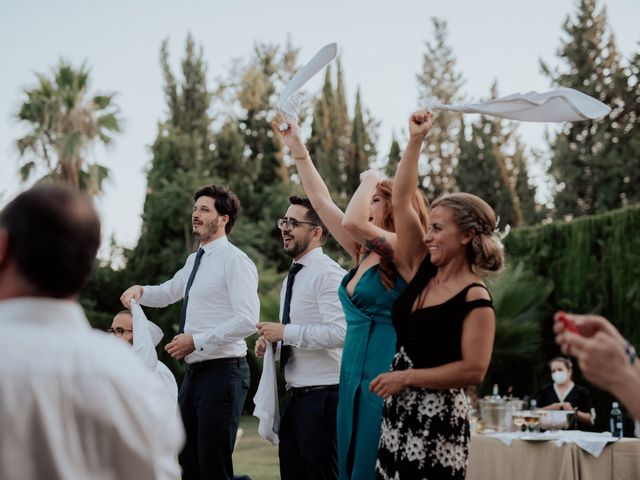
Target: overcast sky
[(381, 43)]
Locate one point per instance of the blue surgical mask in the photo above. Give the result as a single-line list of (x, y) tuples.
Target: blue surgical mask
[(560, 377)]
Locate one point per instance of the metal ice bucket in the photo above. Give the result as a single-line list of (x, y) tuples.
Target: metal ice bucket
[(496, 413)]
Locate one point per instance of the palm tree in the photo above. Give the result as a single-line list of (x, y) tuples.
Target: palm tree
[(520, 301), (64, 122)]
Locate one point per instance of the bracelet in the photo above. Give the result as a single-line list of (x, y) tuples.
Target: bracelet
[(631, 352), (304, 157)]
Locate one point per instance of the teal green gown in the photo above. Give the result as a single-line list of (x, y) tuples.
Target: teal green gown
[(369, 347)]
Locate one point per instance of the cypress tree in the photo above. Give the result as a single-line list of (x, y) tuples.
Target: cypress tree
[(362, 150), (590, 164), (393, 157), (439, 81), (181, 153)]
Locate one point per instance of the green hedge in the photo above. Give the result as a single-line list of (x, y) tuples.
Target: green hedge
[(594, 264)]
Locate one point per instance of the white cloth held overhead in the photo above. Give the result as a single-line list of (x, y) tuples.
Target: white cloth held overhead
[(558, 105), (266, 399), (290, 108), (289, 101)]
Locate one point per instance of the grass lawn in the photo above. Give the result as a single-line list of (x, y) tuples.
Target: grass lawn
[(254, 456)]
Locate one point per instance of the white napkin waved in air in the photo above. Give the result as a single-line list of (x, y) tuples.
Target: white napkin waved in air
[(558, 105), (291, 106), (266, 399), (289, 100)]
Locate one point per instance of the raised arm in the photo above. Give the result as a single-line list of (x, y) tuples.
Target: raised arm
[(356, 216), (410, 235), (313, 185)]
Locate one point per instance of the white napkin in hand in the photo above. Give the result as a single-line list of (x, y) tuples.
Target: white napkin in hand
[(146, 335), (290, 108), (266, 399)]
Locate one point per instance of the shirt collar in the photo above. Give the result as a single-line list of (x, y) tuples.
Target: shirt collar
[(216, 245), (42, 311), (310, 256)]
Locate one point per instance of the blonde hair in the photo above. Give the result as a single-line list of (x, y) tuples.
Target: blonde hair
[(472, 214)]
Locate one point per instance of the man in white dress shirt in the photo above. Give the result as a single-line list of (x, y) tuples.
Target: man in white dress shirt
[(74, 403), (219, 285), (311, 333)]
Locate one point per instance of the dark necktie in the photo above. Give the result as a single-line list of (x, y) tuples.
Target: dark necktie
[(183, 312), (285, 351)]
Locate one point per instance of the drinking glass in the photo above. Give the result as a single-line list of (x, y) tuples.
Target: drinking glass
[(518, 420), (532, 419)]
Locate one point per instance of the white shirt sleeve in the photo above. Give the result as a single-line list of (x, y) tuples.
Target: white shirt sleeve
[(331, 331), (166, 293), (242, 285)]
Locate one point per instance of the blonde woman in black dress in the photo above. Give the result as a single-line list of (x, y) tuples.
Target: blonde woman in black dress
[(445, 326)]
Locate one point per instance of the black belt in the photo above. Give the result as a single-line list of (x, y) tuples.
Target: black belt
[(216, 362), (298, 391)]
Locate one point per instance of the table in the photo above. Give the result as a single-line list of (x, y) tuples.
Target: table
[(490, 459)]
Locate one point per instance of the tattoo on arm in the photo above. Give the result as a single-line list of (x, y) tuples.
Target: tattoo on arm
[(380, 246)]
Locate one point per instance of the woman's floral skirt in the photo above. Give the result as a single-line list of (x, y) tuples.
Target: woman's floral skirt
[(425, 432)]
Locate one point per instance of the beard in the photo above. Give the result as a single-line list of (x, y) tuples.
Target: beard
[(297, 247), (207, 230)]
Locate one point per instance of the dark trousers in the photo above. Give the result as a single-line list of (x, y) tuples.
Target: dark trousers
[(308, 437), (211, 398)]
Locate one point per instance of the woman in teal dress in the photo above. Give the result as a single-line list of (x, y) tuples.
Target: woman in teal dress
[(366, 231), (369, 347)]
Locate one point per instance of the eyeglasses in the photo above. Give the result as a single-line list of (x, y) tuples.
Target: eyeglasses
[(291, 223), (118, 331)]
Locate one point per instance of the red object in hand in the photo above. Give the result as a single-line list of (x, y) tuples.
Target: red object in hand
[(567, 322)]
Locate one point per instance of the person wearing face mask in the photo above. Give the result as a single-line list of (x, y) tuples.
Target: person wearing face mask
[(563, 394)]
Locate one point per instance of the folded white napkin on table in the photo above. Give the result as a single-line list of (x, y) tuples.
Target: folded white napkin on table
[(591, 442)]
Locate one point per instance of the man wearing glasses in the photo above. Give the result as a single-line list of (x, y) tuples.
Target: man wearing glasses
[(122, 326), (143, 336), (311, 335), (73, 403), (219, 285)]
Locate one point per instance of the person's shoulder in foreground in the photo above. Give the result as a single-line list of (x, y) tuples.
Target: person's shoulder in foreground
[(73, 402), (78, 400)]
